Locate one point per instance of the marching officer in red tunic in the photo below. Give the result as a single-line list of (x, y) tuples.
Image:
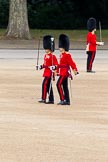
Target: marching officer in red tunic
[(49, 65), (65, 65), (91, 43)]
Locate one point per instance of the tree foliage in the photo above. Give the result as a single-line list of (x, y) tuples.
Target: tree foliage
[(66, 14), (4, 10), (60, 14)]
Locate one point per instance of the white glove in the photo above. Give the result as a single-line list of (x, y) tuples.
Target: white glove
[(39, 67), (52, 67), (101, 43)]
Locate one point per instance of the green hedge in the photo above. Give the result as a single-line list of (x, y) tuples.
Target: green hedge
[(53, 17), (58, 14), (4, 12)]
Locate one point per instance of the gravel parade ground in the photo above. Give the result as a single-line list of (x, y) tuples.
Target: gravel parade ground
[(34, 132)]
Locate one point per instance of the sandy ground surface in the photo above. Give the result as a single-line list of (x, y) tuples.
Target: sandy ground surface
[(33, 132), (34, 44)]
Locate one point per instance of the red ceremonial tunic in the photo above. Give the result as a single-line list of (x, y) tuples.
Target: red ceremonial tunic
[(65, 62), (91, 42), (49, 60)]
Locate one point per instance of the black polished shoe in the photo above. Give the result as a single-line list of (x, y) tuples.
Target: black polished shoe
[(42, 101), (60, 103), (63, 103), (66, 103), (50, 102)]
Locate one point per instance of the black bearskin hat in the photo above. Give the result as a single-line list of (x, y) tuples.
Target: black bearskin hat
[(64, 42), (48, 43), (91, 24)]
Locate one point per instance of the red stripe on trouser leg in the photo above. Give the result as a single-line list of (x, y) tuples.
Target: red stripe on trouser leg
[(59, 87), (44, 88), (91, 61)]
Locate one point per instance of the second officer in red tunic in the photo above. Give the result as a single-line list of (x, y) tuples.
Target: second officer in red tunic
[(65, 65)]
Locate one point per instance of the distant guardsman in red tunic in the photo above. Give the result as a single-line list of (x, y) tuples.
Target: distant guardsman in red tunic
[(49, 65), (91, 43), (65, 65)]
